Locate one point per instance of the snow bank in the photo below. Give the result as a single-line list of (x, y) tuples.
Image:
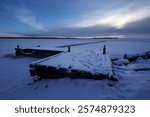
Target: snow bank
[(121, 62)]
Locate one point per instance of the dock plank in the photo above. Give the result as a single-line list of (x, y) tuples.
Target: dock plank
[(39, 52)]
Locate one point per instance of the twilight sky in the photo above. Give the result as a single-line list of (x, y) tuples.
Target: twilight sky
[(74, 17)]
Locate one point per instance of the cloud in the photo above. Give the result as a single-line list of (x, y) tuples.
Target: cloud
[(88, 31), (138, 27), (25, 16), (109, 16), (114, 17)]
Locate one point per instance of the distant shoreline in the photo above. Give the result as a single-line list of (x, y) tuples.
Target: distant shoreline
[(51, 37)]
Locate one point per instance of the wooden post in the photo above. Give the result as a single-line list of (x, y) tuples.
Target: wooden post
[(18, 51), (125, 56), (104, 49), (69, 49)]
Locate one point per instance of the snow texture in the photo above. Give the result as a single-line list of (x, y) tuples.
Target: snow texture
[(121, 62), (92, 61)]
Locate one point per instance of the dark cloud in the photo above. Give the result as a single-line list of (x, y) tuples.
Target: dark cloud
[(88, 31), (141, 27), (82, 17), (138, 27)]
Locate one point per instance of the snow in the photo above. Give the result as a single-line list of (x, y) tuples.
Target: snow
[(16, 82), (92, 61), (134, 84), (140, 64), (121, 62)]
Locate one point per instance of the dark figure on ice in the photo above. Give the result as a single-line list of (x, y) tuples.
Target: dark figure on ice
[(104, 49)]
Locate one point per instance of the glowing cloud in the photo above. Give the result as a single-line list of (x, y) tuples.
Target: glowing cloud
[(115, 18)]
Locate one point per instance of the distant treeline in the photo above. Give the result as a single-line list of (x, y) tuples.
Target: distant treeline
[(55, 37), (28, 37), (105, 37)]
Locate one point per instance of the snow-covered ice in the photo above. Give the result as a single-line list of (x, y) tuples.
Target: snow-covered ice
[(16, 82), (134, 84)]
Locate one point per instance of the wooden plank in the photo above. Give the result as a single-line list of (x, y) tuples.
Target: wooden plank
[(37, 52)]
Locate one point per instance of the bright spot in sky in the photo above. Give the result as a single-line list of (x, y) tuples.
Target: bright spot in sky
[(117, 19)]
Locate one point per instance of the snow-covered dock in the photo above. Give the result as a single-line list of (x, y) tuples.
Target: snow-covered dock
[(90, 64), (40, 52)]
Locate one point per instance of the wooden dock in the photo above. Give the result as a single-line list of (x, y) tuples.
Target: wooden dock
[(86, 65), (39, 52), (60, 62)]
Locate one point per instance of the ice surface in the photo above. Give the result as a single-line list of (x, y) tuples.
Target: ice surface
[(16, 82)]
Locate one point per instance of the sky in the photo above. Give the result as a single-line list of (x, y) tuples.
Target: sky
[(74, 17)]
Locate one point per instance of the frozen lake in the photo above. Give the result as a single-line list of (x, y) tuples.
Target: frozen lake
[(16, 82), (124, 45)]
